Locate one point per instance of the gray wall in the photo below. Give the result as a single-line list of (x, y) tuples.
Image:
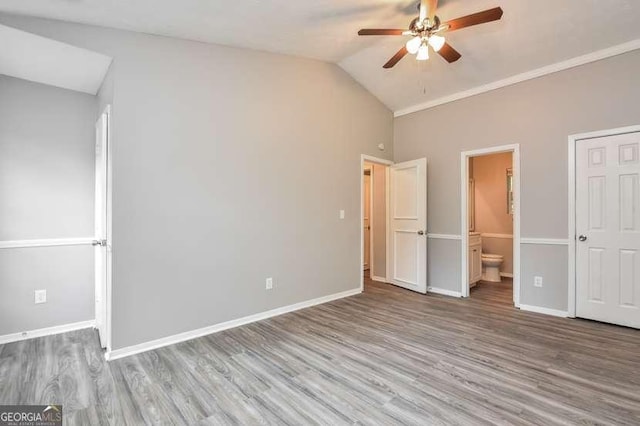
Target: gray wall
[(216, 153), (539, 115), (46, 192)]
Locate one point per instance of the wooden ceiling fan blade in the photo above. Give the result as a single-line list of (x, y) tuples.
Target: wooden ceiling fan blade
[(449, 53), (396, 58), (380, 32), (475, 19)]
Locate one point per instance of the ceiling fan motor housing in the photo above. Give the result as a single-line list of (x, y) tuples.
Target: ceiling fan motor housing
[(416, 27)]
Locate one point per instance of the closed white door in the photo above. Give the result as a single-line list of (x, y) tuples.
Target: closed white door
[(366, 222), (408, 224), (608, 229), (100, 227)]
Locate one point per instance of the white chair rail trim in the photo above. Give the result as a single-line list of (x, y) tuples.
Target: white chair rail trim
[(501, 236), (546, 241), (444, 236), (55, 242)]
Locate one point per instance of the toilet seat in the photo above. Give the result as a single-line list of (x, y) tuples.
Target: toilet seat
[(490, 256)]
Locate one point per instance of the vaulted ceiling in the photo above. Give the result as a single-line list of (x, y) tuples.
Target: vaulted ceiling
[(531, 34), (40, 59)]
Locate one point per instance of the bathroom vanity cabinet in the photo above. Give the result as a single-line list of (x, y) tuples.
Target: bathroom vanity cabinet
[(475, 258)]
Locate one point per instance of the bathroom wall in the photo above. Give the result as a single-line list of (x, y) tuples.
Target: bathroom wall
[(491, 217)]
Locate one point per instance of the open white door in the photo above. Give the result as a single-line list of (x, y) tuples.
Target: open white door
[(100, 229), (408, 225), (608, 229)]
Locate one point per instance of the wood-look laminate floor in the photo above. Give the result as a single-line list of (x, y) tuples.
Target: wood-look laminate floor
[(388, 356)]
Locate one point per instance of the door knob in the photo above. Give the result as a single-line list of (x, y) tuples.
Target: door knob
[(582, 238), (420, 232)]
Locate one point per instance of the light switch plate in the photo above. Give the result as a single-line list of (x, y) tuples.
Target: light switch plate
[(537, 281), (269, 283), (341, 214)]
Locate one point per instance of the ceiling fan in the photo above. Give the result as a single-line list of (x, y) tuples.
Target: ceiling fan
[(426, 30)]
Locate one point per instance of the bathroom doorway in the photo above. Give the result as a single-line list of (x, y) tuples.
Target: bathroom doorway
[(491, 223)]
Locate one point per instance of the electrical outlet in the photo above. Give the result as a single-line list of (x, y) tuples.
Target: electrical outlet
[(341, 214), (537, 281), (269, 283), (40, 296)]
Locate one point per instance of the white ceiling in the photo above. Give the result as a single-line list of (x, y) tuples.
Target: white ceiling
[(531, 34), (34, 58)]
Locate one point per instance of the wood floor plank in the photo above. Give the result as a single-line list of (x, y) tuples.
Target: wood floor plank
[(387, 356)]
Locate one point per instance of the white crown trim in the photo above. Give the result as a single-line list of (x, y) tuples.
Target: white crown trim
[(529, 75)]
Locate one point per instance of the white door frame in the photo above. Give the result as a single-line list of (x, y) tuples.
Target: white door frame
[(464, 215), (109, 196), (573, 140), (370, 159)]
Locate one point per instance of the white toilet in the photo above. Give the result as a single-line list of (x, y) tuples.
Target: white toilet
[(491, 267)]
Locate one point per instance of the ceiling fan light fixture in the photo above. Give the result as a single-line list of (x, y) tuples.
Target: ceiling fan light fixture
[(423, 52), (413, 45), (436, 42)]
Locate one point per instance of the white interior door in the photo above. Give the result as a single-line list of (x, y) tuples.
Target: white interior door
[(408, 224), (100, 228), (608, 229), (366, 222)]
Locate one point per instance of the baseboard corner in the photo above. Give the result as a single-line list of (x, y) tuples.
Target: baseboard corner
[(444, 292), (226, 325), (545, 311)]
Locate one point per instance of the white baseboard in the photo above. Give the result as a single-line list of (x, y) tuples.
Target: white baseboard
[(49, 331), (193, 334), (506, 274), (379, 279), (546, 311), (444, 292)]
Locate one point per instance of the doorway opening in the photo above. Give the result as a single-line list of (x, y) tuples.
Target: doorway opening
[(374, 213), (491, 223), (397, 218)]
